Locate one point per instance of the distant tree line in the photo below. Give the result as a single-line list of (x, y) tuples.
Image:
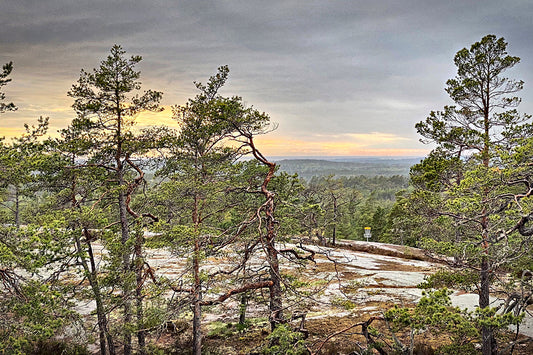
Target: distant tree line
[(307, 168)]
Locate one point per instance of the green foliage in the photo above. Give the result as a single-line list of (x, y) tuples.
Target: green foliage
[(462, 279), (405, 221), (103, 142), (221, 329), (154, 349), (38, 313), (50, 346), (437, 171), (475, 187), (6, 70), (284, 341), (458, 330), (107, 101), (334, 207), (288, 200), (487, 317), (24, 166), (344, 303), (98, 92), (489, 54), (154, 313), (243, 326), (434, 314)]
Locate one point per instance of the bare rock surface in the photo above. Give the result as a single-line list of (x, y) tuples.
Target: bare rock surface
[(353, 276)]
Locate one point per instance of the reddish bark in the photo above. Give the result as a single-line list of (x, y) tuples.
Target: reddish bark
[(235, 291)]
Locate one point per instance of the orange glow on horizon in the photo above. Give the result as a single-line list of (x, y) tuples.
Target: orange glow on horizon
[(276, 144), (373, 144)]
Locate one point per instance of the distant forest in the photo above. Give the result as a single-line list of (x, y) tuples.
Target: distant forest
[(372, 166)]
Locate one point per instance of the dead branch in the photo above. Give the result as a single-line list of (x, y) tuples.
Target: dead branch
[(364, 327), (181, 289), (81, 166), (248, 287), (293, 252), (301, 326), (131, 188), (99, 200), (241, 265), (10, 280)]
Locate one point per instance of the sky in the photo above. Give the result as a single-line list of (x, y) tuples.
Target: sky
[(340, 78)]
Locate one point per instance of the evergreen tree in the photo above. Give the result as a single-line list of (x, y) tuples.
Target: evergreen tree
[(108, 99), (466, 173), (200, 170)]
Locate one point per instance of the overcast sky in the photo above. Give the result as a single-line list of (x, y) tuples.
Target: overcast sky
[(338, 77)]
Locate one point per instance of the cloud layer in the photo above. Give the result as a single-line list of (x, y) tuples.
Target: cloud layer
[(317, 67)]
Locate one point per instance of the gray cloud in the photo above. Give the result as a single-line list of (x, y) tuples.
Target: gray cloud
[(328, 66)]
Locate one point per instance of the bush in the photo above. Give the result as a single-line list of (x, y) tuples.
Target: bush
[(435, 314), (45, 347), (284, 341)]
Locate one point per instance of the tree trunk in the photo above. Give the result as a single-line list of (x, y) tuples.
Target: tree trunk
[(334, 219), (93, 281), (242, 309), (141, 337), (276, 301), (197, 287), (103, 332), (100, 310), (489, 345), (126, 267), (124, 226), (17, 207), (197, 299)]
